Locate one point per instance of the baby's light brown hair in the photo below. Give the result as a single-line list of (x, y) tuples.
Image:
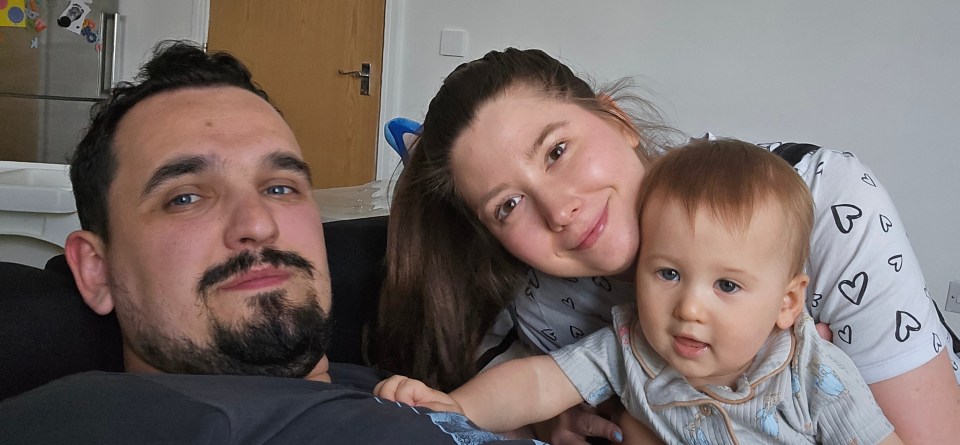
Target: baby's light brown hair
[(732, 178)]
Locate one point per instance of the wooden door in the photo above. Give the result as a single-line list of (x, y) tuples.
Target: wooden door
[(294, 49)]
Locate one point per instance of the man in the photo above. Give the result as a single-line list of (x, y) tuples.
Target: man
[(199, 229)]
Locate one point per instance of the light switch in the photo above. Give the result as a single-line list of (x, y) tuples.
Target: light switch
[(953, 297), (453, 42)]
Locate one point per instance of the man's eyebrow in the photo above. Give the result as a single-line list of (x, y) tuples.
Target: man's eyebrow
[(549, 128), (286, 161), (187, 165)]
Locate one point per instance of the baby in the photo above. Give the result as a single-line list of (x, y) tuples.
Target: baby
[(718, 348)]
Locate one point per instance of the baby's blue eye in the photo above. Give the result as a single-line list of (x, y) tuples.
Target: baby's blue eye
[(727, 286), (669, 274)]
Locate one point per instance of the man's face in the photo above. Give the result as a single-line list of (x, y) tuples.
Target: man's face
[(216, 260)]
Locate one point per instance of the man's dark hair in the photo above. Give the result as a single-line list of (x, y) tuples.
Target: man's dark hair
[(174, 65)]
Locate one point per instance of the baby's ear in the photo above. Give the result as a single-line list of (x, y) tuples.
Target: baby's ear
[(793, 299)]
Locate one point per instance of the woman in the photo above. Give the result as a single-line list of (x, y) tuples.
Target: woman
[(524, 174)]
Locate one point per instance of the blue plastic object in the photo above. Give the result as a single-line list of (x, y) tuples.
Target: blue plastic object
[(395, 129)]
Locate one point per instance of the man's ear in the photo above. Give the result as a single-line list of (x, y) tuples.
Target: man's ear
[(793, 299), (86, 255)]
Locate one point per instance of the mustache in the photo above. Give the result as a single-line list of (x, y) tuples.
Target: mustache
[(246, 260)]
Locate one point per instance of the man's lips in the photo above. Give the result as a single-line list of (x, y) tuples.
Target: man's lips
[(687, 347), (257, 279), (593, 234)]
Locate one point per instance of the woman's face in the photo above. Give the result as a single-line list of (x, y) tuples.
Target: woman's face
[(555, 183)]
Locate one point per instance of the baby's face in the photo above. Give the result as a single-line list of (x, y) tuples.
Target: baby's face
[(709, 297)]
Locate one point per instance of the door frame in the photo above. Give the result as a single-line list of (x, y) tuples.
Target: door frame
[(387, 160)]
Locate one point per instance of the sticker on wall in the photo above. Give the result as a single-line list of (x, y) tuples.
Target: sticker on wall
[(72, 18), (12, 13), (35, 43)]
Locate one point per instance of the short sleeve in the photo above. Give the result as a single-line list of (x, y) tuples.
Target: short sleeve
[(595, 365), (865, 280)]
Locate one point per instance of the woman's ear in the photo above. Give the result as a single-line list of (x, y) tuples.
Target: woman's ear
[(794, 298), (85, 254)]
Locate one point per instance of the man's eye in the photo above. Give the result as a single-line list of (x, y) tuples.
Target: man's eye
[(279, 190), (504, 209), (556, 152), (727, 286), (669, 274), (184, 199)]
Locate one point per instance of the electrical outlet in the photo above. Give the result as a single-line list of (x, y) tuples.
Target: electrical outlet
[(953, 297)]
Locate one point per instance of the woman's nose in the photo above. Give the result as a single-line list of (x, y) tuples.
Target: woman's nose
[(559, 209)]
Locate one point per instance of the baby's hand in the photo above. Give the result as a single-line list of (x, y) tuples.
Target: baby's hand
[(415, 393)]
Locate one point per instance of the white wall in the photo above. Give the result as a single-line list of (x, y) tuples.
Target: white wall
[(874, 77)]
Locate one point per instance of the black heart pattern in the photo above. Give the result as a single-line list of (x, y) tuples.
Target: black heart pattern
[(568, 302), (816, 300), (896, 261), (846, 334), (819, 168), (573, 280), (937, 344), (906, 323), (844, 214), (603, 283), (885, 223), (854, 289), (533, 279), (868, 180), (549, 334), (576, 332)]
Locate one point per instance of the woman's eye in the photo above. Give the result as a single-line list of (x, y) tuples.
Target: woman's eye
[(727, 286), (279, 190), (669, 274), (183, 200), (556, 152), (504, 209)]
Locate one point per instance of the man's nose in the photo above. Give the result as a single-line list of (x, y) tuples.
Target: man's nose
[(250, 222)]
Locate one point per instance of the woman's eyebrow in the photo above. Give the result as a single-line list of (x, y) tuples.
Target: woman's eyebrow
[(186, 165), (547, 129)]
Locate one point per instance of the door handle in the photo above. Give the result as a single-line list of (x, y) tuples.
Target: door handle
[(108, 55), (363, 74)]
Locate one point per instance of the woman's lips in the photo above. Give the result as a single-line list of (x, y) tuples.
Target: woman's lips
[(687, 347), (592, 235), (258, 279)]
